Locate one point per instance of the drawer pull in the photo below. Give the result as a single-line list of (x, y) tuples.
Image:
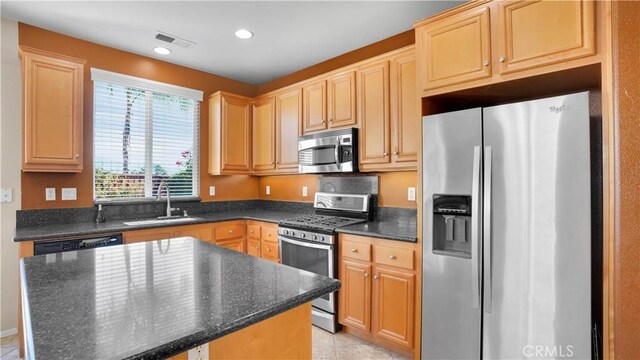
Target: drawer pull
[(375, 277), (366, 274), (230, 231), (392, 257), (268, 249), (354, 250)]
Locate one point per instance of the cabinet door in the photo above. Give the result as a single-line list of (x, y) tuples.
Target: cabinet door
[(314, 106), (355, 295), (136, 236), (253, 247), (236, 135), (264, 131), (288, 126), (394, 298), (373, 113), (455, 49), (535, 33), (200, 232), (405, 116), (341, 100), (270, 250), (233, 244), (52, 112)]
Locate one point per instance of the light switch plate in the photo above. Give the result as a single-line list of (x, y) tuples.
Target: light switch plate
[(212, 190), (69, 194), (50, 194), (268, 190), (6, 195), (304, 191), (411, 194), (199, 353)]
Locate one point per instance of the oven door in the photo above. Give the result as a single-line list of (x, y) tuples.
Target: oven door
[(326, 155), (313, 257)]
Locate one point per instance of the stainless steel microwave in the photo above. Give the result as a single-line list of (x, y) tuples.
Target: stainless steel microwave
[(328, 152)]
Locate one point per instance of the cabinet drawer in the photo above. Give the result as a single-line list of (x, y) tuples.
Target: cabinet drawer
[(229, 231), (253, 231), (270, 234), (270, 250), (402, 258), (356, 250)]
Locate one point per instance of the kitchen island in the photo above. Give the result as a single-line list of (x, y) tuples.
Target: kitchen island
[(162, 298)]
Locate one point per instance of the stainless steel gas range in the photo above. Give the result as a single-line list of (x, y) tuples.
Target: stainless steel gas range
[(309, 242)]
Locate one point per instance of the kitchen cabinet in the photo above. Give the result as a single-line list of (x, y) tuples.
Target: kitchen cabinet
[(233, 244), (486, 42), (455, 49), (263, 240), (341, 100), (229, 134), (264, 135), (373, 114), (314, 106), (145, 235), (52, 92), (405, 112), (378, 294), (231, 234), (537, 33), (288, 128), (201, 232)]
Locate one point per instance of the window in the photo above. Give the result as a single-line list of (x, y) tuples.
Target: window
[(144, 132)]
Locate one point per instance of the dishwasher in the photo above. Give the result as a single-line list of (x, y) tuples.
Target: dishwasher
[(73, 244)]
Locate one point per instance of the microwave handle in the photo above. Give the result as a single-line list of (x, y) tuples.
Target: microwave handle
[(316, 143), (336, 153)]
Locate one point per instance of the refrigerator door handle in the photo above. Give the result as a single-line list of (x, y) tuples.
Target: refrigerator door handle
[(475, 228), (486, 218)]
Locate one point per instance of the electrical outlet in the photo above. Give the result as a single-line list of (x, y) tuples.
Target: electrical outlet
[(199, 353), (50, 194), (212, 190), (304, 191), (69, 194), (6, 195), (411, 194), (268, 190)]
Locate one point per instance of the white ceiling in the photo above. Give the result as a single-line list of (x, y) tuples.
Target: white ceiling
[(289, 35)]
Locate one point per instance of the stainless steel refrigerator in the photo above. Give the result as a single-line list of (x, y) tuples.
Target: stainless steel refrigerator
[(507, 234)]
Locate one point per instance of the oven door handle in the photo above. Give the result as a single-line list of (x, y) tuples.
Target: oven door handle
[(304, 243)]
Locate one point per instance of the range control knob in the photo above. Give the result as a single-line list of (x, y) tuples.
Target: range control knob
[(321, 238), (315, 237), (304, 235), (286, 232)]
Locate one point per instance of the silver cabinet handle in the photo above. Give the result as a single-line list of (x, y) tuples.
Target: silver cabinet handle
[(485, 63), (354, 250), (486, 238), (502, 59), (77, 156), (366, 274), (392, 257), (395, 153), (385, 154), (475, 228), (330, 120), (375, 277)]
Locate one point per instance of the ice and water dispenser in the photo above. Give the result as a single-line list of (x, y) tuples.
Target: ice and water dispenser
[(452, 225)]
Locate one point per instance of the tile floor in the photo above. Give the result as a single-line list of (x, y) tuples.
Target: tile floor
[(325, 346), (342, 346), (9, 348)]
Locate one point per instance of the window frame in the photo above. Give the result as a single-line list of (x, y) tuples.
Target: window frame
[(150, 86)]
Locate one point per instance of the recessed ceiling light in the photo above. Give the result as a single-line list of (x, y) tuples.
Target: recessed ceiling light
[(162, 50), (244, 34)]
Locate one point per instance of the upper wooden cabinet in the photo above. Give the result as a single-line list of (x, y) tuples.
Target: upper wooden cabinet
[(485, 42), (288, 128), (455, 49), (373, 111), (229, 134), (341, 100), (330, 103), (315, 106), (264, 135), (52, 111), (405, 114), (537, 33)]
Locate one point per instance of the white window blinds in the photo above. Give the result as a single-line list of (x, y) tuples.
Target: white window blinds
[(144, 132)]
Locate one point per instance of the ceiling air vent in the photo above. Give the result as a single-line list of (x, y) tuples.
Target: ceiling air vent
[(174, 40)]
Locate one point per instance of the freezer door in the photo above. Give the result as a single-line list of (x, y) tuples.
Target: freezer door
[(450, 297), (537, 230)]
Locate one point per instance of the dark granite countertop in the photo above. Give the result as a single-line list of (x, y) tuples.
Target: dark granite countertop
[(401, 229), (52, 231), (152, 300)]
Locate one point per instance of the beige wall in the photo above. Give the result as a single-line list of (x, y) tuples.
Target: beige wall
[(9, 173)]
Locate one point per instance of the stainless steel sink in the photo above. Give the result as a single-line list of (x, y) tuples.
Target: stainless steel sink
[(161, 221)]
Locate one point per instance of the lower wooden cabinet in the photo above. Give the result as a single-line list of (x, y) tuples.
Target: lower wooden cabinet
[(136, 236), (200, 232), (378, 294), (233, 244), (263, 240), (253, 247)]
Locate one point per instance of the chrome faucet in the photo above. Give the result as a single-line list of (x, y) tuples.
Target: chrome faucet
[(169, 208)]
